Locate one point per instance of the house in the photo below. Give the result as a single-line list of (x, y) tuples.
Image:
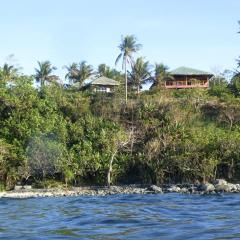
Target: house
[(184, 77), (102, 84)]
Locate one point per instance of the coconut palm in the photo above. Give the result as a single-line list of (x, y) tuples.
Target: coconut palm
[(128, 47), (106, 71), (72, 72), (77, 73), (161, 74), (7, 73), (140, 73), (44, 72)]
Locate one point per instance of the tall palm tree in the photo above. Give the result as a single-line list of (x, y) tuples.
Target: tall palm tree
[(161, 74), (127, 47), (44, 72), (8, 73), (140, 73), (79, 72)]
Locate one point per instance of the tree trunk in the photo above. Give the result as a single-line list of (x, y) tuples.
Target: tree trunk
[(110, 169), (204, 178), (126, 90), (138, 90), (230, 170)]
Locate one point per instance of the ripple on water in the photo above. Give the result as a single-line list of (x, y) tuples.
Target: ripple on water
[(165, 216)]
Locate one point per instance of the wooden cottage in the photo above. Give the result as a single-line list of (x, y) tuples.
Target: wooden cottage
[(184, 77), (102, 84)]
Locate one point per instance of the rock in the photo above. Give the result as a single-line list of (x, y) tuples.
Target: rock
[(191, 190), (27, 187), (18, 187), (155, 189), (233, 187), (223, 187), (220, 182), (206, 187), (184, 190), (238, 187), (174, 189)]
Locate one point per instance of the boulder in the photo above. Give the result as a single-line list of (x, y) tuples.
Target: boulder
[(206, 187), (155, 189), (27, 187), (18, 187), (174, 189), (184, 190), (238, 187), (220, 182), (223, 187)]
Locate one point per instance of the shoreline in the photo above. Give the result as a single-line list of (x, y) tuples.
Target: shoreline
[(220, 186)]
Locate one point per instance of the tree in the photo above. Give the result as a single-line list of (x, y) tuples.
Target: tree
[(140, 73), (104, 70), (72, 72), (127, 47), (160, 75), (44, 73), (118, 142), (77, 73), (4, 155), (8, 73), (230, 114), (235, 84), (218, 86), (238, 60), (44, 157)]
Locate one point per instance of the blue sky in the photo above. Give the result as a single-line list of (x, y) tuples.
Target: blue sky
[(199, 34)]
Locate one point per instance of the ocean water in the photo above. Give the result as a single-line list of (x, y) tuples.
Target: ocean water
[(163, 216)]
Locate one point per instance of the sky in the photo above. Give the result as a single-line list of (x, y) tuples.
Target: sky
[(200, 34)]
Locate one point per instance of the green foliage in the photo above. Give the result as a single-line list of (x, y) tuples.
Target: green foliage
[(44, 73), (2, 187), (140, 74), (128, 47), (62, 137), (77, 73), (161, 74), (235, 84)]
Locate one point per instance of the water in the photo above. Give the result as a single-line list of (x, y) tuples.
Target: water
[(167, 216)]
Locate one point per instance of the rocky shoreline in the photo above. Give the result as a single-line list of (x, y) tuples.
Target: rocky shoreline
[(217, 187)]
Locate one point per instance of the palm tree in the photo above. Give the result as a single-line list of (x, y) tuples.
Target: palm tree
[(140, 73), (44, 73), (79, 72), (8, 72), (160, 75), (128, 47), (72, 72), (104, 70)]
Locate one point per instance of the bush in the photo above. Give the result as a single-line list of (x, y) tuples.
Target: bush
[(2, 187)]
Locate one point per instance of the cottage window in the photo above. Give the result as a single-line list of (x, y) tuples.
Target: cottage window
[(102, 89), (179, 83), (169, 83), (189, 83)]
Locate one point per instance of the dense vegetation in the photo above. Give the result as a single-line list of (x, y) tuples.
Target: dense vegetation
[(57, 132)]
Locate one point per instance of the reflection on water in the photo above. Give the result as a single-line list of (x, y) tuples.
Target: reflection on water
[(167, 216)]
